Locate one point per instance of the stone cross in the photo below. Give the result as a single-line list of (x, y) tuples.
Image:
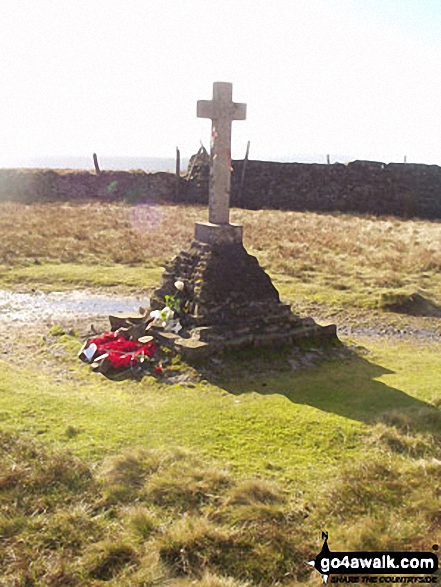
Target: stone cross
[(222, 111)]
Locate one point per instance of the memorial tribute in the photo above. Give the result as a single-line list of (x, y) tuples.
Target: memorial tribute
[(222, 111), (227, 300)]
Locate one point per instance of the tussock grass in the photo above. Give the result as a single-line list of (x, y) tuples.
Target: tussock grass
[(256, 491), (197, 486), (243, 551), (414, 417), (251, 532), (106, 559), (124, 474), (209, 580), (143, 521), (154, 476), (387, 503), (78, 536), (404, 442)]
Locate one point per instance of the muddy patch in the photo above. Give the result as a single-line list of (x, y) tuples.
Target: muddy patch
[(19, 308), (26, 318)]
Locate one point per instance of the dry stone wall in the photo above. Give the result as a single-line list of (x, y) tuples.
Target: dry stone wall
[(405, 190), (37, 185), (361, 186)]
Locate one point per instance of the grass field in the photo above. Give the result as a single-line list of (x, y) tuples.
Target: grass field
[(229, 477)]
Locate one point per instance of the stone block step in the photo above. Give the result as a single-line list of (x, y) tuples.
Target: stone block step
[(193, 349), (125, 319)]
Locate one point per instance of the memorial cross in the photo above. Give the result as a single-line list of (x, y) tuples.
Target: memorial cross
[(222, 111)]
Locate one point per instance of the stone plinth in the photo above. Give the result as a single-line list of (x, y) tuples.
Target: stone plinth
[(228, 301), (218, 234)]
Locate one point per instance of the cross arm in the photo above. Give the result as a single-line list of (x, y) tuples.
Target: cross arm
[(240, 111), (205, 109), (208, 109)]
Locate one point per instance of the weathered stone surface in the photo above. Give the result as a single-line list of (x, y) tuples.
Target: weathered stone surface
[(222, 111), (132, 331), (308, 329), (222, 284), (34, 185), (168, 339), (228, 301), (193, 349), (125, 320), (360, 186), (218, 234), (239, 342)]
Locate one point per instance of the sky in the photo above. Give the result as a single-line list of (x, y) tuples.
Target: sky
[(350, 78)]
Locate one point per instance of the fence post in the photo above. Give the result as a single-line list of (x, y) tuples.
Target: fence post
[(95, 162), (242, 178), (178, 171)]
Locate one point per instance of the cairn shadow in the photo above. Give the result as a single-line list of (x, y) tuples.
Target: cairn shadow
[(348, 388)]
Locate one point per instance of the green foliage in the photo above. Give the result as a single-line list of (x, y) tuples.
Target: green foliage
[(173, 303), (56, 330)]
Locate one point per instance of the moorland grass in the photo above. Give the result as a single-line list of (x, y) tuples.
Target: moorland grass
[(61, 276), (226, 480), (337, 259), (253, 431), (270, 457), (162, 516), (83, 532)]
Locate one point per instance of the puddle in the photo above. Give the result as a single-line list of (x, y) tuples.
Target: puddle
[(19, 308)]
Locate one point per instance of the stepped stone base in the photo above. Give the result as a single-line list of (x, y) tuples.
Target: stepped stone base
[(228, 301)]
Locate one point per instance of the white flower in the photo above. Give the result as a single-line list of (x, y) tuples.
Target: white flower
[(166, 314), (161, 317), (179, 285)]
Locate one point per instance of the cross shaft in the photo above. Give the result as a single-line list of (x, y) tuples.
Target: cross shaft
[(222, 111)]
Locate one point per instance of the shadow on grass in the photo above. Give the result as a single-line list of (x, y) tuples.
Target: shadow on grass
[(346, 387)]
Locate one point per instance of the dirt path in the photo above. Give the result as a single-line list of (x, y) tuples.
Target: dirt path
[(27, 316), (32, 307), (358, 322), (81, 308)]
